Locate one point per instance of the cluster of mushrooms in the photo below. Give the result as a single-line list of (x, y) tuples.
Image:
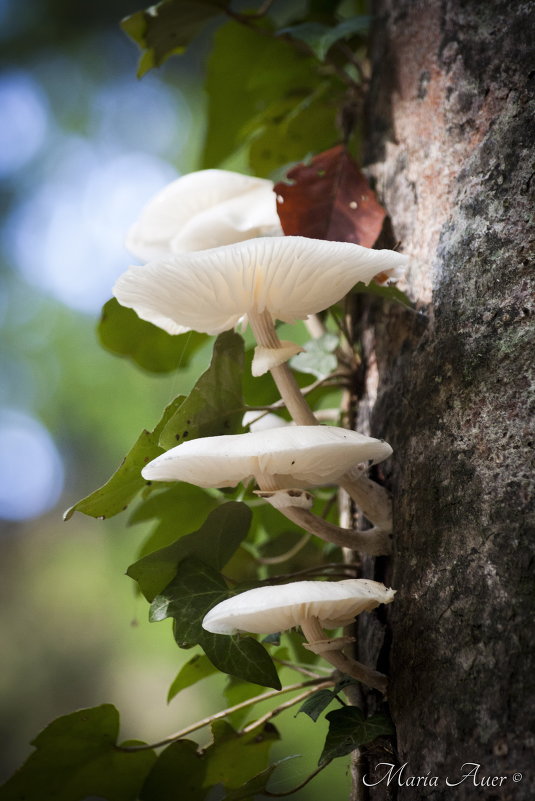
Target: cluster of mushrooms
[(217, 257)]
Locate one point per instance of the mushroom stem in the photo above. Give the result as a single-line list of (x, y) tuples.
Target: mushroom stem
[(264, 330), (374, 542), (314, 633), (372, 499)]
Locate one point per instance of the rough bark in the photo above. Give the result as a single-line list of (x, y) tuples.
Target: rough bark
[(449, 145)]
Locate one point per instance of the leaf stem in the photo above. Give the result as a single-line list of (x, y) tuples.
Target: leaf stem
[(286, 705), (200, 724), (283, 557), (299, 786)]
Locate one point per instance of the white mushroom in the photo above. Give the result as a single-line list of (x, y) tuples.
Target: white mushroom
[(203, 210), (280, 277), (279, 459), (312, 605)]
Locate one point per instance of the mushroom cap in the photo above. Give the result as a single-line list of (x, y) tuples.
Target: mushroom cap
[(266, 610), (210, 290), (202, 210), (291, 456)]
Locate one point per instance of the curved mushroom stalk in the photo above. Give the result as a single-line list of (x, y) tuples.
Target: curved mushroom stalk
[(312, 605), (373, 541), (373, 500), (331, 651)]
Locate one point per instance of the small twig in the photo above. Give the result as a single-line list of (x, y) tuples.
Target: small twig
[(337, 568), (298, 668), (286, 705), (283, 557), (200, 724), (299, 786)]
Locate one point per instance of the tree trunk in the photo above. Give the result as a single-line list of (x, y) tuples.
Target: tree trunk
[(450, 133)]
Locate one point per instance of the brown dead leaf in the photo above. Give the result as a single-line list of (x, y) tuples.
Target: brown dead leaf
[(331, 199)]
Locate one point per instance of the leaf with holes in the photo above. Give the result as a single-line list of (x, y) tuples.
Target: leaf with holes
[(127, 481), (331, 199), (215, 404), (168, 28)]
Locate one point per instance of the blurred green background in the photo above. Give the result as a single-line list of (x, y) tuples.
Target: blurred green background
[(83, 144)]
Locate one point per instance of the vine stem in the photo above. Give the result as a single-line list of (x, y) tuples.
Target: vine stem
[(315, 634), (299, 786), (286, 705), (200, 724)]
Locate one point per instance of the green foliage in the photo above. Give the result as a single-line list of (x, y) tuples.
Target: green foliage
[(349, 729), (76, 757), (168, 28), (199, 667), (291, 129), (320, 38), (184, 772), (215, 404), (256, 786), (179, 509), (316, 703), (270, 72), (391, 293), (122, 332), (178, 773), (127, 481), (187, 598), (233, 758), (214, 543), (318, 357), (196, 588), (243, 657)]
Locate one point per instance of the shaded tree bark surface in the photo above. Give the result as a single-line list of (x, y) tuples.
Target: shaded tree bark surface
[(450, 386)]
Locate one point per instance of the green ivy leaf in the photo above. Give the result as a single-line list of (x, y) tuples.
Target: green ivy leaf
[(199, 667), (293, 127), (318, 357), (214, 544), (76, 757), (320, 38), (316, 703), (196, 588), (269, 70), (121, 331), (237, 690), (215, 404), (255, 786), (387, 292), (349, 729), (233, 758), (178, 773), (242, 657), (179, 509), (168, 28), (187, 598), (127, 481)]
